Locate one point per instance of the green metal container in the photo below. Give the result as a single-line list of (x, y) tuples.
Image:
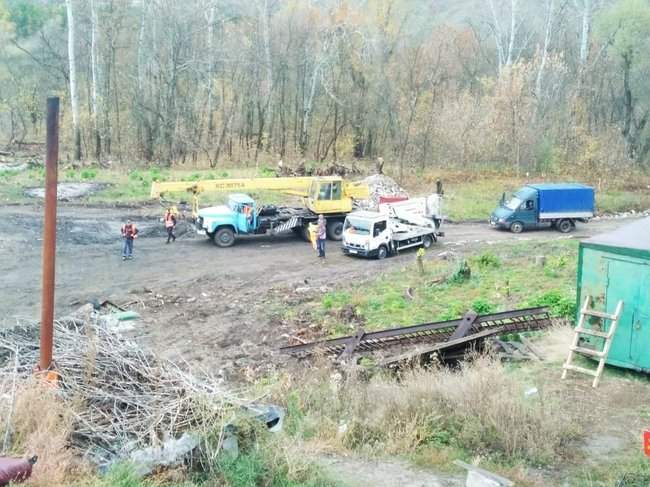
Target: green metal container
[(616, 266)]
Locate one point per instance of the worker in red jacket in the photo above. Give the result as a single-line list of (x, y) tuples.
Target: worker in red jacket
[(170, 224), (129, 234)]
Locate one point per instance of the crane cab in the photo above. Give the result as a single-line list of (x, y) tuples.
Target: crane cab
[(330, 194)]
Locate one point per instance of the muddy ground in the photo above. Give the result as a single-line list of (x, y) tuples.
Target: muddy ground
[(210, 306)]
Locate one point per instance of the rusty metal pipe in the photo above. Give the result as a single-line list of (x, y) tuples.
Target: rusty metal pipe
[(49, 233)]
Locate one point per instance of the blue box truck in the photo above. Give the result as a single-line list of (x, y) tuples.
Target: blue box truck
[(545, 205)]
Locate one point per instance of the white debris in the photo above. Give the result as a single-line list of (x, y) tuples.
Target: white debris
[(68, 190), (381, 185), (170, 454)]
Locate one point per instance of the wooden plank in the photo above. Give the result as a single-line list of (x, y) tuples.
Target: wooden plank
[(588, 331), (581, 370), (599, 314), (588, 351), (533, 349)]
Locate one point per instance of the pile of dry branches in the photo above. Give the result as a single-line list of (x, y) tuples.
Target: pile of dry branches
[(333, 169), (121, 398)]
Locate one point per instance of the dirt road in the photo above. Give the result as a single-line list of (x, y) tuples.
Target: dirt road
[(197, 301)]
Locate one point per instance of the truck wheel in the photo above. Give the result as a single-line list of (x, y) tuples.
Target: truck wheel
[(382, 252), (335, 230), (427, 242), (224, 237), (517, 227), (302, 233), (564, 226)]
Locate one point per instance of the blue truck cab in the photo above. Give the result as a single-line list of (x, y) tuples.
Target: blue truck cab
[(545, 205), (223, 222)]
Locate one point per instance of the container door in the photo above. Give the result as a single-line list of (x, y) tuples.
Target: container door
[(621, 287), (640, 346)]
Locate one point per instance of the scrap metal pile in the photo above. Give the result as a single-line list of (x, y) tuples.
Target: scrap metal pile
[(446, 340), (121, 398)]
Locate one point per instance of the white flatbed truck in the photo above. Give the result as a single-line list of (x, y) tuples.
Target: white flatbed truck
[(395, 227)]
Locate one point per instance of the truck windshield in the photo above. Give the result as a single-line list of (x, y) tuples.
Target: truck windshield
[(357, 225), (513, 204)]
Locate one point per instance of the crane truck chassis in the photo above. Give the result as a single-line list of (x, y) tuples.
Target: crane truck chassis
[(331, 196), (241, 216)]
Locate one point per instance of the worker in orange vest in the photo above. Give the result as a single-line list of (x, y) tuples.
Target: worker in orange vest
[(129, 234), (170, 224)]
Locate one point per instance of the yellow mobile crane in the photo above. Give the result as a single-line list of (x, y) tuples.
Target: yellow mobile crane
[(331, 196)]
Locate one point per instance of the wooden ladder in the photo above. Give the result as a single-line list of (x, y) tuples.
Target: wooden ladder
[(607, 335)]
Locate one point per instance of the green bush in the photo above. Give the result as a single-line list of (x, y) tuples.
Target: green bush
[(136, 175), (121, 475), (89, 173), (155, 174), (454, 311), (336, 300), (554, 265), (462, 273), (244, 471), (266, 172), (488, 260), (268, 465), (195, 176), (559, 303), (71, 174), (482, 306)]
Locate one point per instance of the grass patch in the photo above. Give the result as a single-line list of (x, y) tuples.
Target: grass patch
[(132, 186), (469, 195), (632, 470), (473, 195), (504, 279), (435, 415)]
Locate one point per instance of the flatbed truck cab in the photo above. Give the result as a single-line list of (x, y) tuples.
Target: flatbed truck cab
[(238, 217), (545, 205)]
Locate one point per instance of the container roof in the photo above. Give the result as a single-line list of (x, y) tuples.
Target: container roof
[(241, 198), (635, 235), (558, 186)]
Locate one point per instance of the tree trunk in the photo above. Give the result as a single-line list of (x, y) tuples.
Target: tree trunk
[(94, 40), (547, 42), (307, 109), (586, 30), (513, 31), (74, 95), (210, 73), (268, 90)]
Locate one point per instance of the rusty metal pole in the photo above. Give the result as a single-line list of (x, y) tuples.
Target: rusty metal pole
[(49, 233)]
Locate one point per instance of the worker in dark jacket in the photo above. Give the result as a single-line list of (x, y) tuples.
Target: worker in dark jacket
[(129, 234), (321, 235), (170, 224)]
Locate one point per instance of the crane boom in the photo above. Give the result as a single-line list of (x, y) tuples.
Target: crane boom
[(322, 194), (297, 186)]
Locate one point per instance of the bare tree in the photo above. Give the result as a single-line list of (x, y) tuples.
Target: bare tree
[(74, 95), (505, 41)]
